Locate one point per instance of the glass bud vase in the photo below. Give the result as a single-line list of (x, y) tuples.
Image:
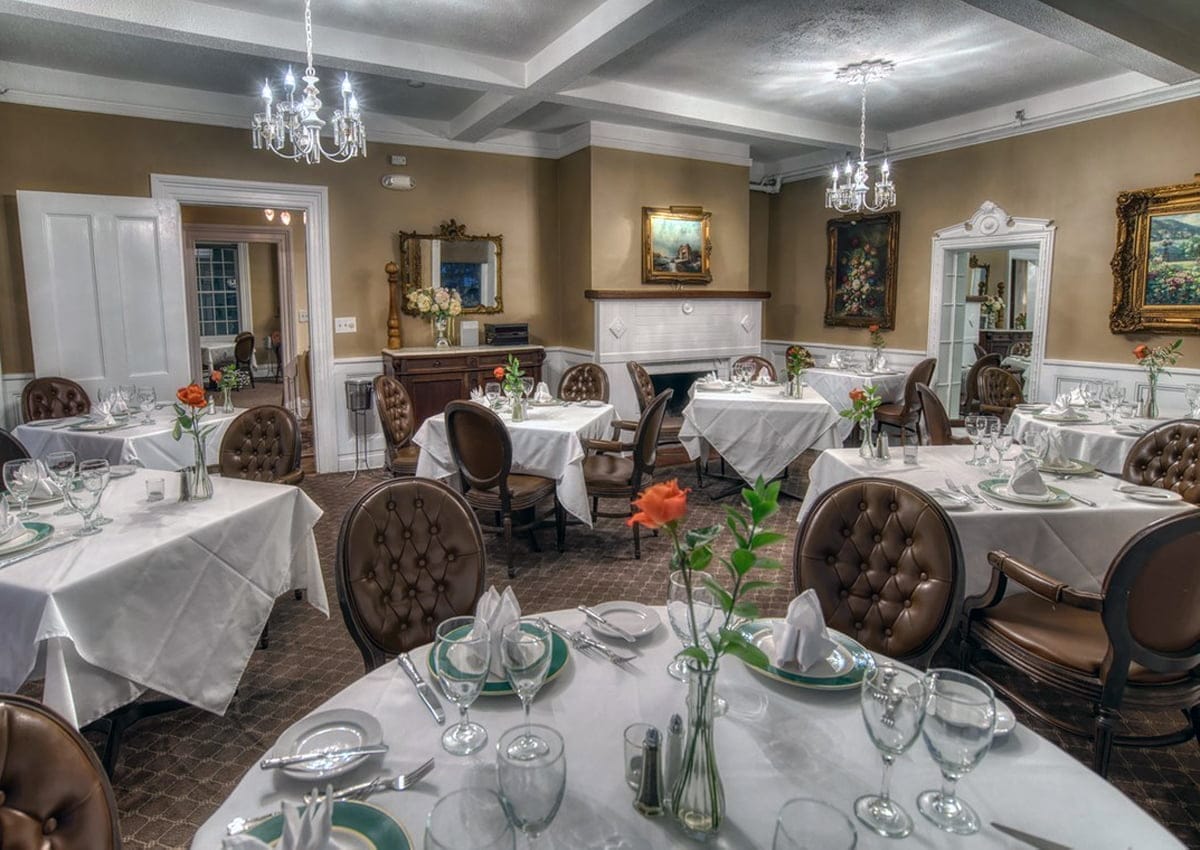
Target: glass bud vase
[(698, 797), (226, 400), (440, 324), (866, 449), (197, 485), (1150, 411)]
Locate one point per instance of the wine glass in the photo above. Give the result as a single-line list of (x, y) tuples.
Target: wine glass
[(84, 499), (492, 391), (102, 475), (21, 478), (147, 399), (1191, 392), (461, 655), (531, 788), (805, 824), (1002, 440), (972, 423), (125, 393), (526, 387), (960, 719), (687, 621), (525, 648), (470, 817), (990, 430), (893, 708), (61, 466)]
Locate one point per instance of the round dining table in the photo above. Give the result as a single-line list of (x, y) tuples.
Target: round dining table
[(775, 743), (1103, 446)]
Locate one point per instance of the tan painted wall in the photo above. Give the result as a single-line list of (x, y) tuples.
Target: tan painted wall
[(1070, 174), (760, 252), (264, 295), (575, 248)]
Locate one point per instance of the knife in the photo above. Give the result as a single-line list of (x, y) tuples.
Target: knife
[(596, 617), (579, 639), (423, 690), (1031, 840), (333, 752)]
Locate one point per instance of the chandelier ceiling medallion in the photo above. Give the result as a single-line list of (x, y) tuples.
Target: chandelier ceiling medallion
[(851, 196), (292, 129)]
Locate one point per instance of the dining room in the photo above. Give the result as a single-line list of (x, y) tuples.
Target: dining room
[(584, 423)]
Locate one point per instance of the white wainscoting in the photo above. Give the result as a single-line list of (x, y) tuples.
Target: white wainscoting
[(11, 385), (897, 358), (559, 359), (344, 369), (1060, 376)]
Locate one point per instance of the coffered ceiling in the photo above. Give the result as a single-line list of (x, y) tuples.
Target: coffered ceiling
[(750, 81)]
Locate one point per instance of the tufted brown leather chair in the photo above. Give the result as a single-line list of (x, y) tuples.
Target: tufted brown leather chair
[(10, 449), (410, 555), (971, 402), (53, 398), (938, 426), (584, 382), (243, 354), (886, 564), (999, 392), (1167, 457), (610, 476), (396, 416), (262, 444), (54, 794), (758, 363), (482, 451), (643, 388), (1020, 349), (1133, 645), (906, 414)]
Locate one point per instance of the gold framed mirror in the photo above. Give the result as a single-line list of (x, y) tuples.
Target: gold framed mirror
[(471, 264)]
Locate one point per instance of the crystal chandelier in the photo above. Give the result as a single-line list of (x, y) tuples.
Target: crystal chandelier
[(851, 196), (292, 129)]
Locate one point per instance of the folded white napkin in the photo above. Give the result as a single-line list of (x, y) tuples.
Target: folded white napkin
[(802, 636), (1062, 404), (46, 489), (1026, 479), (1056, 455), (498, 610), (880, 363), (477, 394), (764, 377), (310, 830), (542, 393)]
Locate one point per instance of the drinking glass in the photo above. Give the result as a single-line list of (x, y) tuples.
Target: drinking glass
[(806, 824), (1002, 441), (634, 738), (492, 391), (61, 466), (1035, 445), (702, 609), (526, 387), (960, 718), (525, 648), (461, 655), (99, 481), (1191, 392), (147, 400), (991, 431), (469, 819), (893, 709), (83, 499), (21, 478), (972, 424), (531, 789)]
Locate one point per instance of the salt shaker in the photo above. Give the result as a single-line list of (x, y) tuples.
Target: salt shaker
[(649, 800), (673, 759)]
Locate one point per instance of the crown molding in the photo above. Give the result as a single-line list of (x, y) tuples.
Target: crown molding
[(600, 134)]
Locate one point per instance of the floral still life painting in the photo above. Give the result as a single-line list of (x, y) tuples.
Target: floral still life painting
[(860, 273)]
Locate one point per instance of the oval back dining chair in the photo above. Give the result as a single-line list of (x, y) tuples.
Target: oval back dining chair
[(243, 354), (971, 399), (1167, 456), (395, 410), (885, 561), (906, 414), (1021, 348), (999, 392), (668, 434), (410, 555), (584, 382), (53, 398), (939, 428), (53, 790), (262, 444), (758, 364)]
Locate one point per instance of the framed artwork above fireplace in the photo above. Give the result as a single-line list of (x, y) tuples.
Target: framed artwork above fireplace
[(676, 245)]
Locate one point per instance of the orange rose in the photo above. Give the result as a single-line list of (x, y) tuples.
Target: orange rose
[(498, 373), (660, 504), (1141, 351), (192, 396), (873, 329), (216, 376), (857, 394)]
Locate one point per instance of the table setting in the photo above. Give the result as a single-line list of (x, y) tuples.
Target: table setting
[(842, 374)]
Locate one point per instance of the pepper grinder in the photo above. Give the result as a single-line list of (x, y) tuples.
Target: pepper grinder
[(649, 800)]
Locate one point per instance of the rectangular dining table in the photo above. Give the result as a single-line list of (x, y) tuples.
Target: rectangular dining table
[(171, 596), (132, 442), (548, 443), (834, 385), (1074, 543)]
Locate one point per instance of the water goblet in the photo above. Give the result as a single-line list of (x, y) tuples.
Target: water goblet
[(1002, 441), (805, 824), (471, 817), (21, 478), (103, 474), (991, 430), (525, 647), (972, 423), (61, 466), (461, 655), (531, 788), (147, 399), (84, 500), (893, 708), (491, 391), (960, 719), (1191, 392), (688, 622), (527, 387)]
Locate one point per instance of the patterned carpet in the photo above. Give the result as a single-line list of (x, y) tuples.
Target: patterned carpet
[(176, 769)]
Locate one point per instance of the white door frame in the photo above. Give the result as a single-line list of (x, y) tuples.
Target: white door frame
[(992, 227), (313, 201)]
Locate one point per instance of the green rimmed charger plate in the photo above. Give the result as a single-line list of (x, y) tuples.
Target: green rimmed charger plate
[(997, 488), (1073, 466), (41, 531), (853, 657), (559, 653), (356, 826)]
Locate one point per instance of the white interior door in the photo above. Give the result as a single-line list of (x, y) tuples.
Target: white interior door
[(104, 281)]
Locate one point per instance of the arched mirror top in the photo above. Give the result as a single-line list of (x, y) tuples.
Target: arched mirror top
[(455, 259)]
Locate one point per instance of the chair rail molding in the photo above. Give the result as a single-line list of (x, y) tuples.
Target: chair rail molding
[(992, 227)]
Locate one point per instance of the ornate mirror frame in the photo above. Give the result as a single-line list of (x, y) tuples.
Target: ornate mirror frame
[(407, 275)]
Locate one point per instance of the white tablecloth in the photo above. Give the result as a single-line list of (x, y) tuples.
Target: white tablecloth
[(1099, 445), (150, 445), (1074, 543), (834, 385), (548, 443), (797, 743), (758, 432), (171, 596)]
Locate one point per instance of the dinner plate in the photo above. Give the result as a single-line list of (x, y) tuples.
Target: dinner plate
[(842, 670), (713, 388), (634, 617), (1062, 417), (1032, 406), (766, 384), (500, 687), (57, 423), (52, 499), (34, 535), (1152, 495), (339, 727), (356, 826), (96, 426), (554, 402), (998, 489), (591, 402), (121, 470), (1073, 466), (1127, 431)]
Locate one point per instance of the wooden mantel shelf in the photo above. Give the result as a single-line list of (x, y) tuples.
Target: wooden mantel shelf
[(677, 294)]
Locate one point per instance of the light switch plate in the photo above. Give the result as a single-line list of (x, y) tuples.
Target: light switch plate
[(345, 325), (301, 315)]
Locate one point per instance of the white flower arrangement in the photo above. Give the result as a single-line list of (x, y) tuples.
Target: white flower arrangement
[(435, 302)]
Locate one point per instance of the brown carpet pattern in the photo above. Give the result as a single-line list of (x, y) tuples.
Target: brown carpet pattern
[(176, 769)]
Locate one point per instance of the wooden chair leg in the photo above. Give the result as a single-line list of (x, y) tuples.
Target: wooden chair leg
[(637, 541), (299, 593), (512, 572), (699, 474), (1102, 752), (560, 524), (1193, 714)]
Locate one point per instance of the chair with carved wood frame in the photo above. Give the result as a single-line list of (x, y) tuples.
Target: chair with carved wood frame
[(243, 354), (643, 388), (584, 382), (53, 398), (999, 392), (395, 410), (939, 428), (1167, 456), (757, 364), (971, 384), (906, 415)]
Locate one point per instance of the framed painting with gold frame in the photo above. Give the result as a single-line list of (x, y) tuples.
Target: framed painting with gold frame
[(1156, 265), (860, 271), (676, 245)]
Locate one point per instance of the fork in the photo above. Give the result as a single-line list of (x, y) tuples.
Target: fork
[(966, 488)]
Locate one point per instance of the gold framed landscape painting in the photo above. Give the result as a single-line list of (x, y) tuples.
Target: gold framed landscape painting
[(1156, 265), (676, 245)]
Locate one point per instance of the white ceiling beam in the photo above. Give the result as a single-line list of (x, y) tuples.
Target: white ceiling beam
[(1111, 30)]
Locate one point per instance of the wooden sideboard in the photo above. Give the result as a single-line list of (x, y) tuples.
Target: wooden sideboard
[(997, 340), (436, 376)]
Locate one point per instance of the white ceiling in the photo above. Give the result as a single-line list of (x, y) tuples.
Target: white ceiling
[(752, 80)]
